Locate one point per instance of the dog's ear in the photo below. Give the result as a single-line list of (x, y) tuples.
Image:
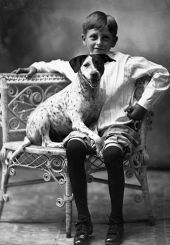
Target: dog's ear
[(76, 62), (106, 58)]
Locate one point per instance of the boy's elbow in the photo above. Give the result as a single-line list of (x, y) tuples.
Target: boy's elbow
[(165, 74), (162, 78)]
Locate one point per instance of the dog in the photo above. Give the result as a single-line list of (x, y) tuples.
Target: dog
[(73, 108)]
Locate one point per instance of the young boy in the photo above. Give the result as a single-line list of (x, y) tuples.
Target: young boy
[(115, 123)]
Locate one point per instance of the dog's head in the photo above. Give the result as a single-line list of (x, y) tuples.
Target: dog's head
[(90, 67)]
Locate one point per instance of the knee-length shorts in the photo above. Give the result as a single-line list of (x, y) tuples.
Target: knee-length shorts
[(121, 136)]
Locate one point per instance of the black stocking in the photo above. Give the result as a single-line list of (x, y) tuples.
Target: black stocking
[(113, 158), (76, 153)]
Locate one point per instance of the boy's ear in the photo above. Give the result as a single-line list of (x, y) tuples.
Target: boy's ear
[(76, 62), (83, 38), (115, 39)]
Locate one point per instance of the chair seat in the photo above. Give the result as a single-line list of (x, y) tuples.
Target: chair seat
[(13, 145)]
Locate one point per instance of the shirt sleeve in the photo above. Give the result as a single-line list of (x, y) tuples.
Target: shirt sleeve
[(58, 65), (159, 83)]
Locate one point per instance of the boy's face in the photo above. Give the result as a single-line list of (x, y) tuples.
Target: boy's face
[(99, 41)]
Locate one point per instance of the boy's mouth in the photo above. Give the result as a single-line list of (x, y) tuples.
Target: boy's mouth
[(99, 50)]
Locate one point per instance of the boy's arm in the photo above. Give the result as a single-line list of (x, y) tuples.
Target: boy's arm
[(58, 65), (159, 83)]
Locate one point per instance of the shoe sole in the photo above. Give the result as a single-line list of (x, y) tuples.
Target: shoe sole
[(114, 243), (87, 242)]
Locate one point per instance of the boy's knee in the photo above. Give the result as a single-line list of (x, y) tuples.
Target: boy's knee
[(113, 155), (75, 146)]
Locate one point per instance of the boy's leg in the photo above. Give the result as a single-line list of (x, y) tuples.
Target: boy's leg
[(120, 142), (113, 158), (76, 152)]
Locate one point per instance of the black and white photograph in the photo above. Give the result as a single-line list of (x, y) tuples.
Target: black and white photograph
[(84, 122)]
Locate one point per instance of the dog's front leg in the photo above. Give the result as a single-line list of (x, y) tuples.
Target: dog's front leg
[(78, 124)]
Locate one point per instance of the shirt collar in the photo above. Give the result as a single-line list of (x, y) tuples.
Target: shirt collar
[(112, 55)]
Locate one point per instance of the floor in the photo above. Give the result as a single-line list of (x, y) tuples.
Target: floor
[(31, 217)]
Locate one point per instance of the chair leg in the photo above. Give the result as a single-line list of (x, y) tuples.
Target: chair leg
[(146, 196), (69, 198), (3, 191)]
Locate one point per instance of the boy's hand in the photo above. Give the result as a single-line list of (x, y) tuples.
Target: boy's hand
[(29, 70), (136, 112)]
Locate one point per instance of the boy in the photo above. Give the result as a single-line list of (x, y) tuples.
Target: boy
[(116, 121)]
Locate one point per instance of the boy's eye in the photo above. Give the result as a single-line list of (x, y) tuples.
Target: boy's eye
[(105, 37), (93, 37)]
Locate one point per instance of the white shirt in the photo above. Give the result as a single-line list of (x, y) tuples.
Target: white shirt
[(118, 84)]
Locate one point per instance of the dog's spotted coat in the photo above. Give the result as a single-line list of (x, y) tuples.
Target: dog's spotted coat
[(73, 108)]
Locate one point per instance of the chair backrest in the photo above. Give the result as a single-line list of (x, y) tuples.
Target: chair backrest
[(19, 96)]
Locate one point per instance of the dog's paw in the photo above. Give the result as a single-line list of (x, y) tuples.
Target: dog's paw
[(99, 145)]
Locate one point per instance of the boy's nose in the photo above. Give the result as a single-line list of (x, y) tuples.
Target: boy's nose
[(99, 40)]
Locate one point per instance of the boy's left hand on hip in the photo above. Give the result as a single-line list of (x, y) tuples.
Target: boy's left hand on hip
[(136, 112)]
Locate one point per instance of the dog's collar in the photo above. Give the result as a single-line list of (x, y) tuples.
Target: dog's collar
[(82, 77)]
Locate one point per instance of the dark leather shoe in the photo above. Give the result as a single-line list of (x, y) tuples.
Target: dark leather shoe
[(83, 232), (114, 234)]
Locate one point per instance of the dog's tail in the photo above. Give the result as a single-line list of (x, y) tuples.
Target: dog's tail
[(26, 143)]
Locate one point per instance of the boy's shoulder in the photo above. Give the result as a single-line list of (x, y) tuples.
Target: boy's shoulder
[(118, 55)]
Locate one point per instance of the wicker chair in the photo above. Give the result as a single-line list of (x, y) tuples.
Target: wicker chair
[(19, 97)]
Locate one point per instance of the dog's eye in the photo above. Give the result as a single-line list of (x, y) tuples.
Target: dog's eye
[(86, 64), (98, 64)]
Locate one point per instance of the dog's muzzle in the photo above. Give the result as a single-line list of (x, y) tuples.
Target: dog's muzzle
[(95, 79), (93, 82)]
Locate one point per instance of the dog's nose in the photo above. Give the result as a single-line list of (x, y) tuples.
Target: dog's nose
[(95, 76)]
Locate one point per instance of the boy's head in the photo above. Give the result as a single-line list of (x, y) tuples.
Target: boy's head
[(99, 32)]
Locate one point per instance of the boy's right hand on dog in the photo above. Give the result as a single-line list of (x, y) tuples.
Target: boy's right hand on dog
[(29, 70)]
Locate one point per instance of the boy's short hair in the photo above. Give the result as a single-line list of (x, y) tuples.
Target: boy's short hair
[(98, 20)]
